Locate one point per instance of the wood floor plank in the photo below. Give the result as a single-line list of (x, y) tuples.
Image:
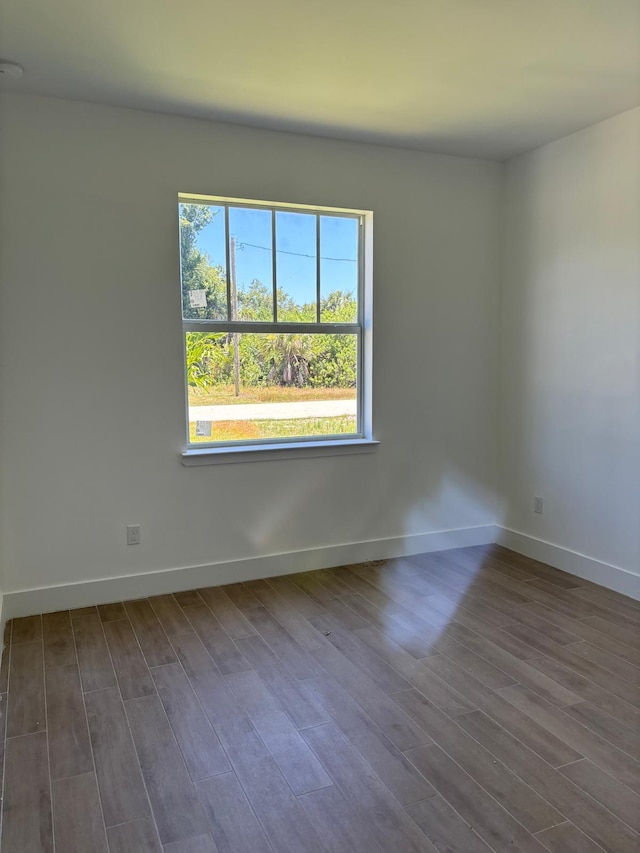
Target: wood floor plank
[(527, 807), (399, 776), (209, 685), (417, 645), (611, 599), (536, 569), (604, 678), (240, 595), (481, 563), (516, 722), (4, 666), (199, 844), (491, 597), (593, 819), (567, 838), (587, 608), (174, 801), (77, 817), (444, 559), (287, 690), (153, 641), (299, 663), (333, 582), (233, 823), (139, 836), (377, 704), (390, 651), (59, 647), (27, 822), (170, 615), (27, 629), (481, 668), (215, 639), (461, 628), (487, 604), (607, 727), (572, 609), (122, 790), (406, 607), (90, 610), (281, 815), (582, 631), (196, 738), (615, 796), (287, 615), (328, 602), (489, 819), (540, 643), (621, 633), (533, 616), (607, 661), (588, 691), (607, 756), (444, 827), (416, 582), (230, 617), (430, 682), (337, 823), (188, 598), (111, 612), (3, 743), (400, 623), (517, 671), (360, 655), (94, 660), (26, 703), (295, 596), (392, 829), (132, 672), (296, 761), (69, 743), (627, 608)]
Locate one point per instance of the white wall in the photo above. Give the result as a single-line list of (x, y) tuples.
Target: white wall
[(570, 380), (90, 343)]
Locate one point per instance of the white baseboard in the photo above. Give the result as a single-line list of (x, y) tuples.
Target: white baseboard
[(604, 574), (67, 596)]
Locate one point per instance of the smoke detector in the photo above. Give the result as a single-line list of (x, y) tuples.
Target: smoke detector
[(10, 69)]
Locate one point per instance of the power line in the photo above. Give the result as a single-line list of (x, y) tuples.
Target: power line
[(240, 245)]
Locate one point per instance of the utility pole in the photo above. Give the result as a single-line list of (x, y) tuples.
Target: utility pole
[(234, 316)]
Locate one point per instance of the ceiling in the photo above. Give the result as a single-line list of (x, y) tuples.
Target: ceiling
[(487, 78)]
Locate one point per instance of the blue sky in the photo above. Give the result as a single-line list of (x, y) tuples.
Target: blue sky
[(295, 238)]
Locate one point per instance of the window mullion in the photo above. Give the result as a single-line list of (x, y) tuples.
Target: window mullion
[(248, 326), (317, 268), (274, 266), (228, 256)]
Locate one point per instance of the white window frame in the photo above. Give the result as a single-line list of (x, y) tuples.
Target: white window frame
[(276, 448)]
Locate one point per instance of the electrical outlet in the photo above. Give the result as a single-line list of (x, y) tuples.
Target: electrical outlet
[(133, 534), (538, 505)]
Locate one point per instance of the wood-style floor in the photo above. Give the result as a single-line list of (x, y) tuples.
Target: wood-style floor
[(464, 701)]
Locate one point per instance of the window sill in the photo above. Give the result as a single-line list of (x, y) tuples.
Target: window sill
[(267, 452)]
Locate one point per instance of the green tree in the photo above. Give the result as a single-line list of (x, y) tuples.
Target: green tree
[(196, 271)]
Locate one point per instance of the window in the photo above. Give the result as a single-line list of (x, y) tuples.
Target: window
[(276, 324)]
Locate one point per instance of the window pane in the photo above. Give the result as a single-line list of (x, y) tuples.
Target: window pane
[(338, 269), (251, 251), (203, 262), (290, 386), (296, 267)]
